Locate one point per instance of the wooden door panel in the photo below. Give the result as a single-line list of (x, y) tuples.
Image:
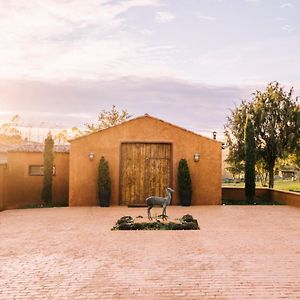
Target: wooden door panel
[(145, 171), (157, 177)]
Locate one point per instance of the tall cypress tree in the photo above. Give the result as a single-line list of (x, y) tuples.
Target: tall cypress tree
[(48, 170), (184, 183), (249, 161)]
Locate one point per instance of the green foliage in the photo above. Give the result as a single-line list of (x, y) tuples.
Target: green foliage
[(249, 161), (261, 171), (48, 170), (104, 184), (184, 177), (276, 120), (235, 167), (289, 161), (61, 137), (108, 119)]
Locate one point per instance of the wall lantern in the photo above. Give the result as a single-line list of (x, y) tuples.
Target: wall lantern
[(196, 157), (91, 156)]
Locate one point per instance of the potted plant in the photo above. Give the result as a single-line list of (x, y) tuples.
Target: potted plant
[(104, 184), (184, 183)]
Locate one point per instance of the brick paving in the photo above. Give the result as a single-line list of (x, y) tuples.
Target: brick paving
[(70, 253)]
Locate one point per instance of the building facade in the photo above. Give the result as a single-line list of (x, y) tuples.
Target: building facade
[(143, 156), (21, 178)]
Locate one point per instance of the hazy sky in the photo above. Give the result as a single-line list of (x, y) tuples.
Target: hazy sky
[(186, 61)]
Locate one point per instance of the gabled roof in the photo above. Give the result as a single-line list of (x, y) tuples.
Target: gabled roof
[(143, 117)]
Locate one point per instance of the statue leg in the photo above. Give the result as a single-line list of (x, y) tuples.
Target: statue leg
[(149, 214), (164, 212)]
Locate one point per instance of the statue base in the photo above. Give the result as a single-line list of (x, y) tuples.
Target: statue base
[(187, 222)]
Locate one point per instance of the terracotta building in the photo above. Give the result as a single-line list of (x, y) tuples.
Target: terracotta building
[(21, 177), (143, 155)]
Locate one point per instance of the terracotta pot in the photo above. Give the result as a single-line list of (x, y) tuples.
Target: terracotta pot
[(185, 198)]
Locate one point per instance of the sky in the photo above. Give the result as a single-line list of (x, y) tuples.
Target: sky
[(185, 61)]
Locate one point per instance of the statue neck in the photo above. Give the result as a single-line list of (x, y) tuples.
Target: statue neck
[(169, 195)]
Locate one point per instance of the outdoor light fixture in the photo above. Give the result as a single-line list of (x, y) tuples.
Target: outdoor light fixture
[(91, 156), (196, 157)]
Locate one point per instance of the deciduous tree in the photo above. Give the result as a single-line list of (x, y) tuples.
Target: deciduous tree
[(276, 120), (107, 119), (9, 132)]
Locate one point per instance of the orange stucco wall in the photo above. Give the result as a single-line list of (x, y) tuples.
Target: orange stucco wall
[(3, 185), (24, 190), (206, 174)]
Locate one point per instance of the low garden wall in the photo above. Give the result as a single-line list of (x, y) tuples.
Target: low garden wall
[(237, 194), (289, 198)]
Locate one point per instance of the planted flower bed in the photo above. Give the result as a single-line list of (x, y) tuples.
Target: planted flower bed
[(187, 222)]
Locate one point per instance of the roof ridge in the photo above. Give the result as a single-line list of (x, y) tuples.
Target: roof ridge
[(146, 115)]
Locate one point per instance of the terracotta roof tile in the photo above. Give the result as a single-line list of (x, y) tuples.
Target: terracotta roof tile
[(32, 147)]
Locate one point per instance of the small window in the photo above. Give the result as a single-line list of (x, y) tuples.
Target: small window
[(39, 170)]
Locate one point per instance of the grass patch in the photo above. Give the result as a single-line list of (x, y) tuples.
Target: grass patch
[(279, 184), (243, 202)]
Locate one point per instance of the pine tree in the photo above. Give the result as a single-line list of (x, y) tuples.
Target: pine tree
[(48, 170), (249, 161)]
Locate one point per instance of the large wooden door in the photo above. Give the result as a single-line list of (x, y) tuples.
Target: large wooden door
[(145, 171)]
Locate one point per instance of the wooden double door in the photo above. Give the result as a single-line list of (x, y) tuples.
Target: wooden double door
[(145, 171)]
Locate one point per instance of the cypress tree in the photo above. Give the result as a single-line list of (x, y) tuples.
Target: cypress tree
[(104, 182), (103, 176), (184, 183), (48, 170), (249, 161)]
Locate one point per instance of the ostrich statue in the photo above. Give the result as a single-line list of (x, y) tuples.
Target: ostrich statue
[(162, 201)]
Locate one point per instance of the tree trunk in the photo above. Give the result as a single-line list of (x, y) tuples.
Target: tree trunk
[(271, 176), (249, 161)]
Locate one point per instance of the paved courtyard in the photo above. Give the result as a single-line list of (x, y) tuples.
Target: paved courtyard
[(70, 253)]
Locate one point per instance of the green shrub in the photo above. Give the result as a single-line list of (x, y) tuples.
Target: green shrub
[(104, 184), (187, 222)]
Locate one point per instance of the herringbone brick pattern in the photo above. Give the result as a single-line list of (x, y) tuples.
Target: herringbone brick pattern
[(70, 253)]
